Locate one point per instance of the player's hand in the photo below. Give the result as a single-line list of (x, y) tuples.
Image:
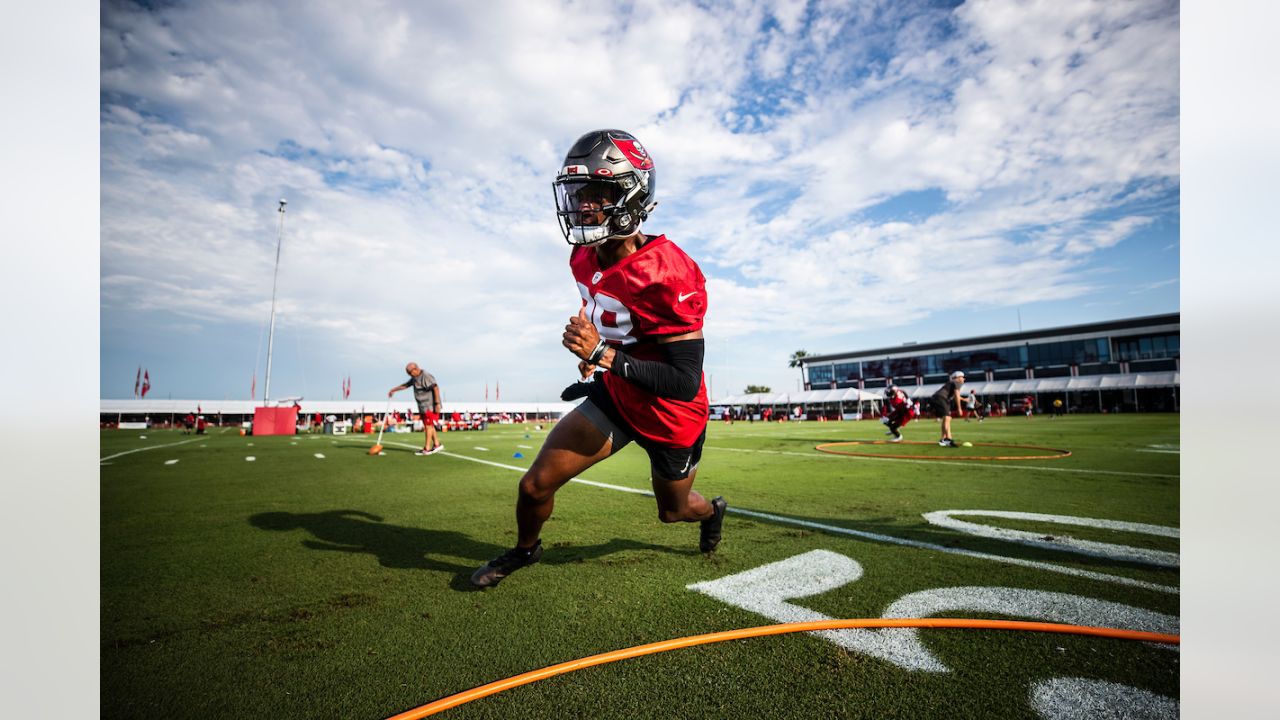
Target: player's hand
[(390, 393), (585, 370), (580, 335)]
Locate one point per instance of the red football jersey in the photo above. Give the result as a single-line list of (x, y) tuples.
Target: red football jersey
[(655, 291)]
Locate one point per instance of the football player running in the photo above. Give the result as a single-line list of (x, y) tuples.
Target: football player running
[(898, 411), (638, 338)]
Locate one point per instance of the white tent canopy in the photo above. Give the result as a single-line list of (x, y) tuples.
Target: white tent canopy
[(982, 388), (1058, 384), (848, 395), (403, 403)]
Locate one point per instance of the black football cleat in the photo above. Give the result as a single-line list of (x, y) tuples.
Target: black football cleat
[(709, 533), (508, 562)]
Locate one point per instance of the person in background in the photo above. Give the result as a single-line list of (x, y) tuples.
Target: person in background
[(973, 408), (426, 391), (946, 401), (898, 411)]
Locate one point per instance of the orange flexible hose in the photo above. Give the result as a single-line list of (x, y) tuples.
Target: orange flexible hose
[(532, 676)]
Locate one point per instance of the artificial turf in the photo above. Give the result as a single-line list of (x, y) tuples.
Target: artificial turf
[(295, 586)]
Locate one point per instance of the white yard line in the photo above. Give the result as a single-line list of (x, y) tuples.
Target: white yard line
[(480, 449), (1167, 452), (153, 447), (985, 465), (1103, 577)]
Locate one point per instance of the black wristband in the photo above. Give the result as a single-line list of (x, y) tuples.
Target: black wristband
[(594, 357)]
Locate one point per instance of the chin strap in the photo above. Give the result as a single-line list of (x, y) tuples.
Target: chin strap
[(578, 232)]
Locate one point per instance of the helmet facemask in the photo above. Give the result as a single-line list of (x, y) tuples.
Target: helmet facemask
[(605, 188), (591, 211)]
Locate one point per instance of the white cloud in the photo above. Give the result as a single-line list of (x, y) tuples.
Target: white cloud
[(416, 143), (1147, 287)]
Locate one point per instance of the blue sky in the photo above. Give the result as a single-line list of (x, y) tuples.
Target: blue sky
[(848, 175)]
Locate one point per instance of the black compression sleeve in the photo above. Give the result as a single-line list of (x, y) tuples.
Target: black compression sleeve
[(679, 377)]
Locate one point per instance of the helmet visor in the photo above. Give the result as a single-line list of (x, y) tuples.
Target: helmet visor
[(588, 202)]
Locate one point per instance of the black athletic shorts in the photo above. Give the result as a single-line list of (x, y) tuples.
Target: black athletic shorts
[(941, 408), (665, 463)]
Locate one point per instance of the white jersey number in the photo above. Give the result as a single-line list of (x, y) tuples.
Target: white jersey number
[(598, 305)]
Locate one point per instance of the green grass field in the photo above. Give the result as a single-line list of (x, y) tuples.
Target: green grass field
[(300, 586)]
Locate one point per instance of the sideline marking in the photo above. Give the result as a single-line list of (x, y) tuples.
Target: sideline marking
[(517, 468), (525, 447), (480, 449), (320, 456), (1057, 453), (1088, 574), (250, 458), (947, 462), (1167, 452), (170, 462), (153, 447)]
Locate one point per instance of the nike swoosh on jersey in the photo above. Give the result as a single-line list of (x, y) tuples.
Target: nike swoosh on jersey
[(685, 296)]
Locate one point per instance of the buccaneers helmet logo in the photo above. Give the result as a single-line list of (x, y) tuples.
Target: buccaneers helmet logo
[(635, 152)]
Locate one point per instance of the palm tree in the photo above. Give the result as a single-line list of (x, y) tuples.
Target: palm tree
[(796, 358)]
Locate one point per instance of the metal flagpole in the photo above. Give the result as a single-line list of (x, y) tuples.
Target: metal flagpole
[(271, 334)]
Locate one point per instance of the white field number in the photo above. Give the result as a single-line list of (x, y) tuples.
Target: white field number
[(947, 519), (767, 590)]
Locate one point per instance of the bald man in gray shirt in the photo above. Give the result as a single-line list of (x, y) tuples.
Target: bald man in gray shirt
[(427, 393)]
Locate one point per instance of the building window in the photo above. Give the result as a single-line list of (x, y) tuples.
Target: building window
[(819, 374), (847, 372), (1100, 369)]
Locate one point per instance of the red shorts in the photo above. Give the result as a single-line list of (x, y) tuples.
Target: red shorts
[(430, 417)]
